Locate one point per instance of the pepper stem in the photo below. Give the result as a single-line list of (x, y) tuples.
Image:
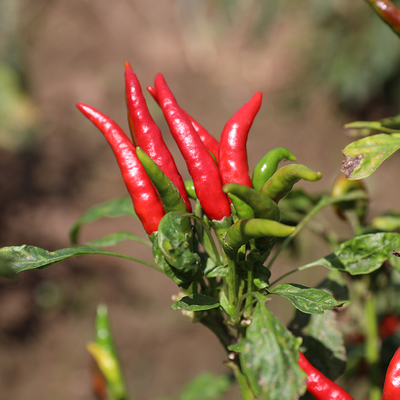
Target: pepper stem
[(250, 288), (232, 281)]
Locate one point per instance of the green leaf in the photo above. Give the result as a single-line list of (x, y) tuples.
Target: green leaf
[(221, 270), (362, 254), (270, 357), (206, 386), (261, 276), (179, 278), (305, 299), (227, 307), (323, 342), (110, 209), (16, 259), (365, 128), (114, 238), (175, 239), (364, 156), (195, 302)]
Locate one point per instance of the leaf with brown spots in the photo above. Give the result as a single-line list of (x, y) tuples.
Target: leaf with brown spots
[(364, 156)]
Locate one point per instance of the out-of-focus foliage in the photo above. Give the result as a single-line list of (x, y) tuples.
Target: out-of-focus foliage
[(18, 114), (340, 46)]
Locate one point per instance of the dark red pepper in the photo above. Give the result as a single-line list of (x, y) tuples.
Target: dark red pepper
[(391, 387), (146, 133), (200, 163), (209, 141), (145, 201), (232, 157), (321, 387), (389, 325)]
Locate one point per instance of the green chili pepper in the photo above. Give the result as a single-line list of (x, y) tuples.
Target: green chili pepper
[(267, 166), (243, 210), (244, 230), (262, 205), (170, 196), (283, 180), (190, 190)]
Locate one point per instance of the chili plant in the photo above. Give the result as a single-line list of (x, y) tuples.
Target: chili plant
[(218, 237)]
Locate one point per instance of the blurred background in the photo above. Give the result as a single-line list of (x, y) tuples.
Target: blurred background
[(319, 66)]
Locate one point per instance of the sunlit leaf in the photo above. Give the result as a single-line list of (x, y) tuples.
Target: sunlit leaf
[(269, 358), (16, 259), (362, 254), (195, 302), (305, 299), (364, 156)]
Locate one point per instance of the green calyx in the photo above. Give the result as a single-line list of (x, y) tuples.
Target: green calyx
[(261, 204), (221, 227), (285, 177), (244, 230), (268, 164), (169, 194)]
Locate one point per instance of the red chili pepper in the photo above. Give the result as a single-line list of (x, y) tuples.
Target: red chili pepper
[(389, 12), (209, 141), (391, 387), (389, 325), (200, 162), (321, 387), (145, 201), (232, 158), (146, 133)]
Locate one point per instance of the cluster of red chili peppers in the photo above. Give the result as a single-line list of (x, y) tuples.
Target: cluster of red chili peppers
[(156, 186), (197, 146)]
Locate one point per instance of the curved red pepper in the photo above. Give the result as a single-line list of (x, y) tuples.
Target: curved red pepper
[(200, 162), (145, 201), (232, 159), (209, 141), (321, 387), (391, 387), (389, 12), (146, 133)]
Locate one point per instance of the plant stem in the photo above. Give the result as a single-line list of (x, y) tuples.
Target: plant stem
[(321, 204), (302, 268), (372, 345), (245, 390), (250, 287), (232, 282)]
